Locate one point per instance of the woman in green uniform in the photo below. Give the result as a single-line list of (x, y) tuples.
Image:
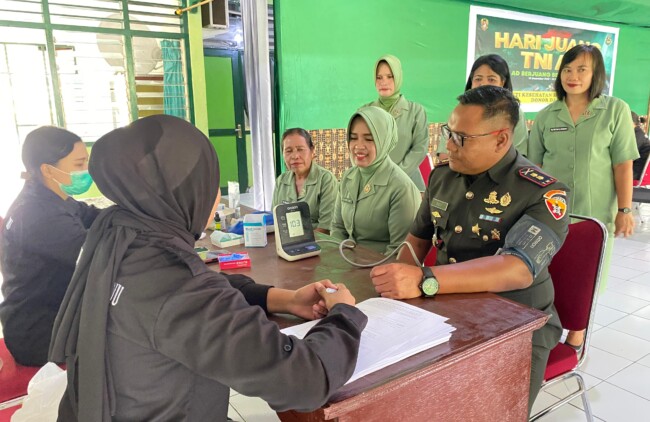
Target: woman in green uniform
[(586, 140), (305, 180), (377, 201), (412, 132), (492, 69)]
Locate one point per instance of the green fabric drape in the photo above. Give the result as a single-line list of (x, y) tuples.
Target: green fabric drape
[(173, 80)]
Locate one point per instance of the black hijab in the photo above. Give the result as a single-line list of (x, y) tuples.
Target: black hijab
[(163, 175)]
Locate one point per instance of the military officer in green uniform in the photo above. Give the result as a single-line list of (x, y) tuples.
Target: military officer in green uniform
[(305, 180), (496, 219), (377, 201), (412, 129)]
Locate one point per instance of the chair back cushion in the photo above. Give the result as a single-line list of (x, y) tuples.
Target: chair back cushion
[(13, 376), (575, 269)]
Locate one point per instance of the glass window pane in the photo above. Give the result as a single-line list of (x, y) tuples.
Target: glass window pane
[(93, 82)]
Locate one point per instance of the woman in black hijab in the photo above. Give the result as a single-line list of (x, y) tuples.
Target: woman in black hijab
[(148, 332)]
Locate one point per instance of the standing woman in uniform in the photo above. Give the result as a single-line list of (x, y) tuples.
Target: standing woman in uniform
[(377, 201), (586, 140), (492, 69), (305, 180), (412, 132), (41, 239)]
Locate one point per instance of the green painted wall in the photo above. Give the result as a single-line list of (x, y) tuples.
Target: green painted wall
[(198, 83), (221, 113), (327, 51)]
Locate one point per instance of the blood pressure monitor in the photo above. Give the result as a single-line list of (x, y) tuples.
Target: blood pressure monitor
[(294, 235)]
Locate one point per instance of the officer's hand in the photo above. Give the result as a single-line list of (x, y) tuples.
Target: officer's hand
[(397, 281), (624, 224)]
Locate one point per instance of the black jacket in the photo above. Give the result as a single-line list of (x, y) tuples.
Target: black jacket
[(40, 242)]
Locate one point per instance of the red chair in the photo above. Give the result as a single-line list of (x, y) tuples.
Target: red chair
[(14, 379), (576, 271), (426, 166), (645, 175)]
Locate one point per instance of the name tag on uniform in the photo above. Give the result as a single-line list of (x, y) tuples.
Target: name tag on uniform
[(559, 129), (441, 205)]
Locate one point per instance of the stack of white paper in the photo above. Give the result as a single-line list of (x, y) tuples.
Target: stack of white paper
[(395, 331)]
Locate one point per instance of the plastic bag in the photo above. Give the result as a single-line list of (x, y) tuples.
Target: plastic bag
[(44, 393)]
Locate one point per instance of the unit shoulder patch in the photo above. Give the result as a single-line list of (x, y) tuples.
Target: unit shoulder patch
[(535, 175)]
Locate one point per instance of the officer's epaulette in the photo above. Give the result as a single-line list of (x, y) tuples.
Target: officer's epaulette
[(441, 163), (535, 175)]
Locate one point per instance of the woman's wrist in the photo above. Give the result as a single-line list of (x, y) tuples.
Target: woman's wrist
[(278, 300)]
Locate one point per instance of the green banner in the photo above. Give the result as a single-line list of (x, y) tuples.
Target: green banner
[(534, 50)]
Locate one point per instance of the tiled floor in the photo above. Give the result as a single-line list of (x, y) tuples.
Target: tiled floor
[(617, 369)]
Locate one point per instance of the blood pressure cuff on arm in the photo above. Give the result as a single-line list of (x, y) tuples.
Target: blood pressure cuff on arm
[(533, 242)]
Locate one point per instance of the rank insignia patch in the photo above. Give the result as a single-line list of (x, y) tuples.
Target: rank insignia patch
[(556, 203), (536, 176)]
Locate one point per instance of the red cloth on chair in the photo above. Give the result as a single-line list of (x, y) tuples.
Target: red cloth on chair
[(5, 414), (574, 270), (561, 360), (13, 376), (426, 166)]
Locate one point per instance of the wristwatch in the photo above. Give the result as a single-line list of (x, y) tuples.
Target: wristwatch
[(625, 210), (429, 284)]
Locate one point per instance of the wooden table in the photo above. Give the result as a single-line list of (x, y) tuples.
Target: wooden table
[(481, 374)]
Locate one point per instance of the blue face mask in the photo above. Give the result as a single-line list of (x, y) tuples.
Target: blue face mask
[(80, 182)]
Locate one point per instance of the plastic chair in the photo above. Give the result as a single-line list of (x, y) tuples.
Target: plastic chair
[(576, 271), (426, 166), (14, 379)]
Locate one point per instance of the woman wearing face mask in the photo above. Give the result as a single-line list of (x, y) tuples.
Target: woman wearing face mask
[(305, 180), (412, 132), (41, 239), (492, 69), (377, 201), (586, 140)]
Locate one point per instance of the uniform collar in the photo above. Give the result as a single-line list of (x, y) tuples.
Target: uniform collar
[(42, 192), (561, 107), (312, 177), (400, 106), (503, 167)]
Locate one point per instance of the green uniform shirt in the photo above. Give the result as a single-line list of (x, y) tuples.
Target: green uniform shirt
[(582, 154), (413, 138), (471, 216), (379, 214), (318, 191), (519, 137)]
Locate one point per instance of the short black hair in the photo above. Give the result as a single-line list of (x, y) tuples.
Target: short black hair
[(498, 66), (299, 131), (599, 77), (495, 101), (46, 145), (635, 119)]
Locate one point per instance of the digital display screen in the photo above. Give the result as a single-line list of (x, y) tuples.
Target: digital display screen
[(294, 222)]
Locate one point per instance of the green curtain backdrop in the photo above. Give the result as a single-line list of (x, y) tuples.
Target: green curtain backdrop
[(173, 84), (327, 51)]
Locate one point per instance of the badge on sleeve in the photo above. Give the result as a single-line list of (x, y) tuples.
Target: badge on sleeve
[(556, 203), (535, 175)]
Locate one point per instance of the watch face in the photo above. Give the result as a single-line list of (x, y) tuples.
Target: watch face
[(430, 286)]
